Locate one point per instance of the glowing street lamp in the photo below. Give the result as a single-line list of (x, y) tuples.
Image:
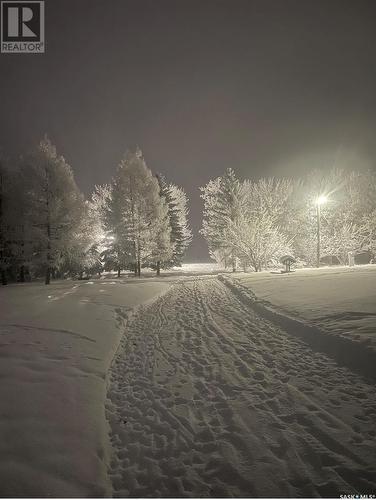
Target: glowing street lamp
[(320, 200)]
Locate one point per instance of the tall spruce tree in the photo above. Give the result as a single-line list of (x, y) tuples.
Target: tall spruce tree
[(181, 234), (221, 210), (137, 215)]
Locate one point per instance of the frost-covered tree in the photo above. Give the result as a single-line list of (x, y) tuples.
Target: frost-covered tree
[(222, 207), (96, 227), (83, 253), (181, 234), (247, 221), (5, 215), (137, 215), (55, 205), (362, 211), (107, 214), (258, 232), (258, 240), (15, 235), (368, 233), (344, 218), (160, 247)]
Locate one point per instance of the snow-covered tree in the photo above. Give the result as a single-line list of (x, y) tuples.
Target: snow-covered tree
[(55, 205), (181, 234), (258, 240), (5, 208), (160, 247), (96, 227), (222, 207), (107, 213), (258, 233), (351, 197), (15, 235), (137, 215), (368, 233), (247, 221), (83, 252)]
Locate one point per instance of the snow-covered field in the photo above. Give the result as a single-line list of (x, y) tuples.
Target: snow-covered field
[(56, 345), (341, 300), (173, 386)]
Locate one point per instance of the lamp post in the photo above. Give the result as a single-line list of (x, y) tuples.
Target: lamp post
[(319, 201)]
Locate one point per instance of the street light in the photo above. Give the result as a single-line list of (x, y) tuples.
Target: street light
[(320, 200)]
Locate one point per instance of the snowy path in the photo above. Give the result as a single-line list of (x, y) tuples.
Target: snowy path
[(208, 399)]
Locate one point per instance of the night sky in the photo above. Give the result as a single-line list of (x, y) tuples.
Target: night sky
[(265, 87)]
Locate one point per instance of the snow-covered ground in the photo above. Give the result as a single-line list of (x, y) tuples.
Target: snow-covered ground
[(341, 300), (56, 345), (197, 268), (208, 399), (205, 397), (187, 269)]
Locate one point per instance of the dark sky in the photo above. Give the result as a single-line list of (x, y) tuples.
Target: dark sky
[(265, 87)]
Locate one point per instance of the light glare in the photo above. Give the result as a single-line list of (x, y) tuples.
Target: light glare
[(321, 199)]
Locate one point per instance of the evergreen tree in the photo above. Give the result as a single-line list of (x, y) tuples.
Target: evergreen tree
[(137, 215), (4, 221), (15, 235), (55, 205), (181, 234), (221, 209), (83, 253)]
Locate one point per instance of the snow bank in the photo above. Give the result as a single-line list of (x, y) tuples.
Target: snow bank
[(343, 350), (56, 345), (339, 300)]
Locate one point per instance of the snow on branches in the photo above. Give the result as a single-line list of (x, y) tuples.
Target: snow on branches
[(145, 219), (252, 223), (48, 228)]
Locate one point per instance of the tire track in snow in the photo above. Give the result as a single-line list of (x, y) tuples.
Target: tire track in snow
[(208, 399)]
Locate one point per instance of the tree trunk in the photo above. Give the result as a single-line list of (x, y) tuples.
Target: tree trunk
[(233, 262), (159, 268), (81, 275), (118, 272), (2, 239), (48, 228), (48, 276), (4, 280), (22, 274), (138, 268)]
